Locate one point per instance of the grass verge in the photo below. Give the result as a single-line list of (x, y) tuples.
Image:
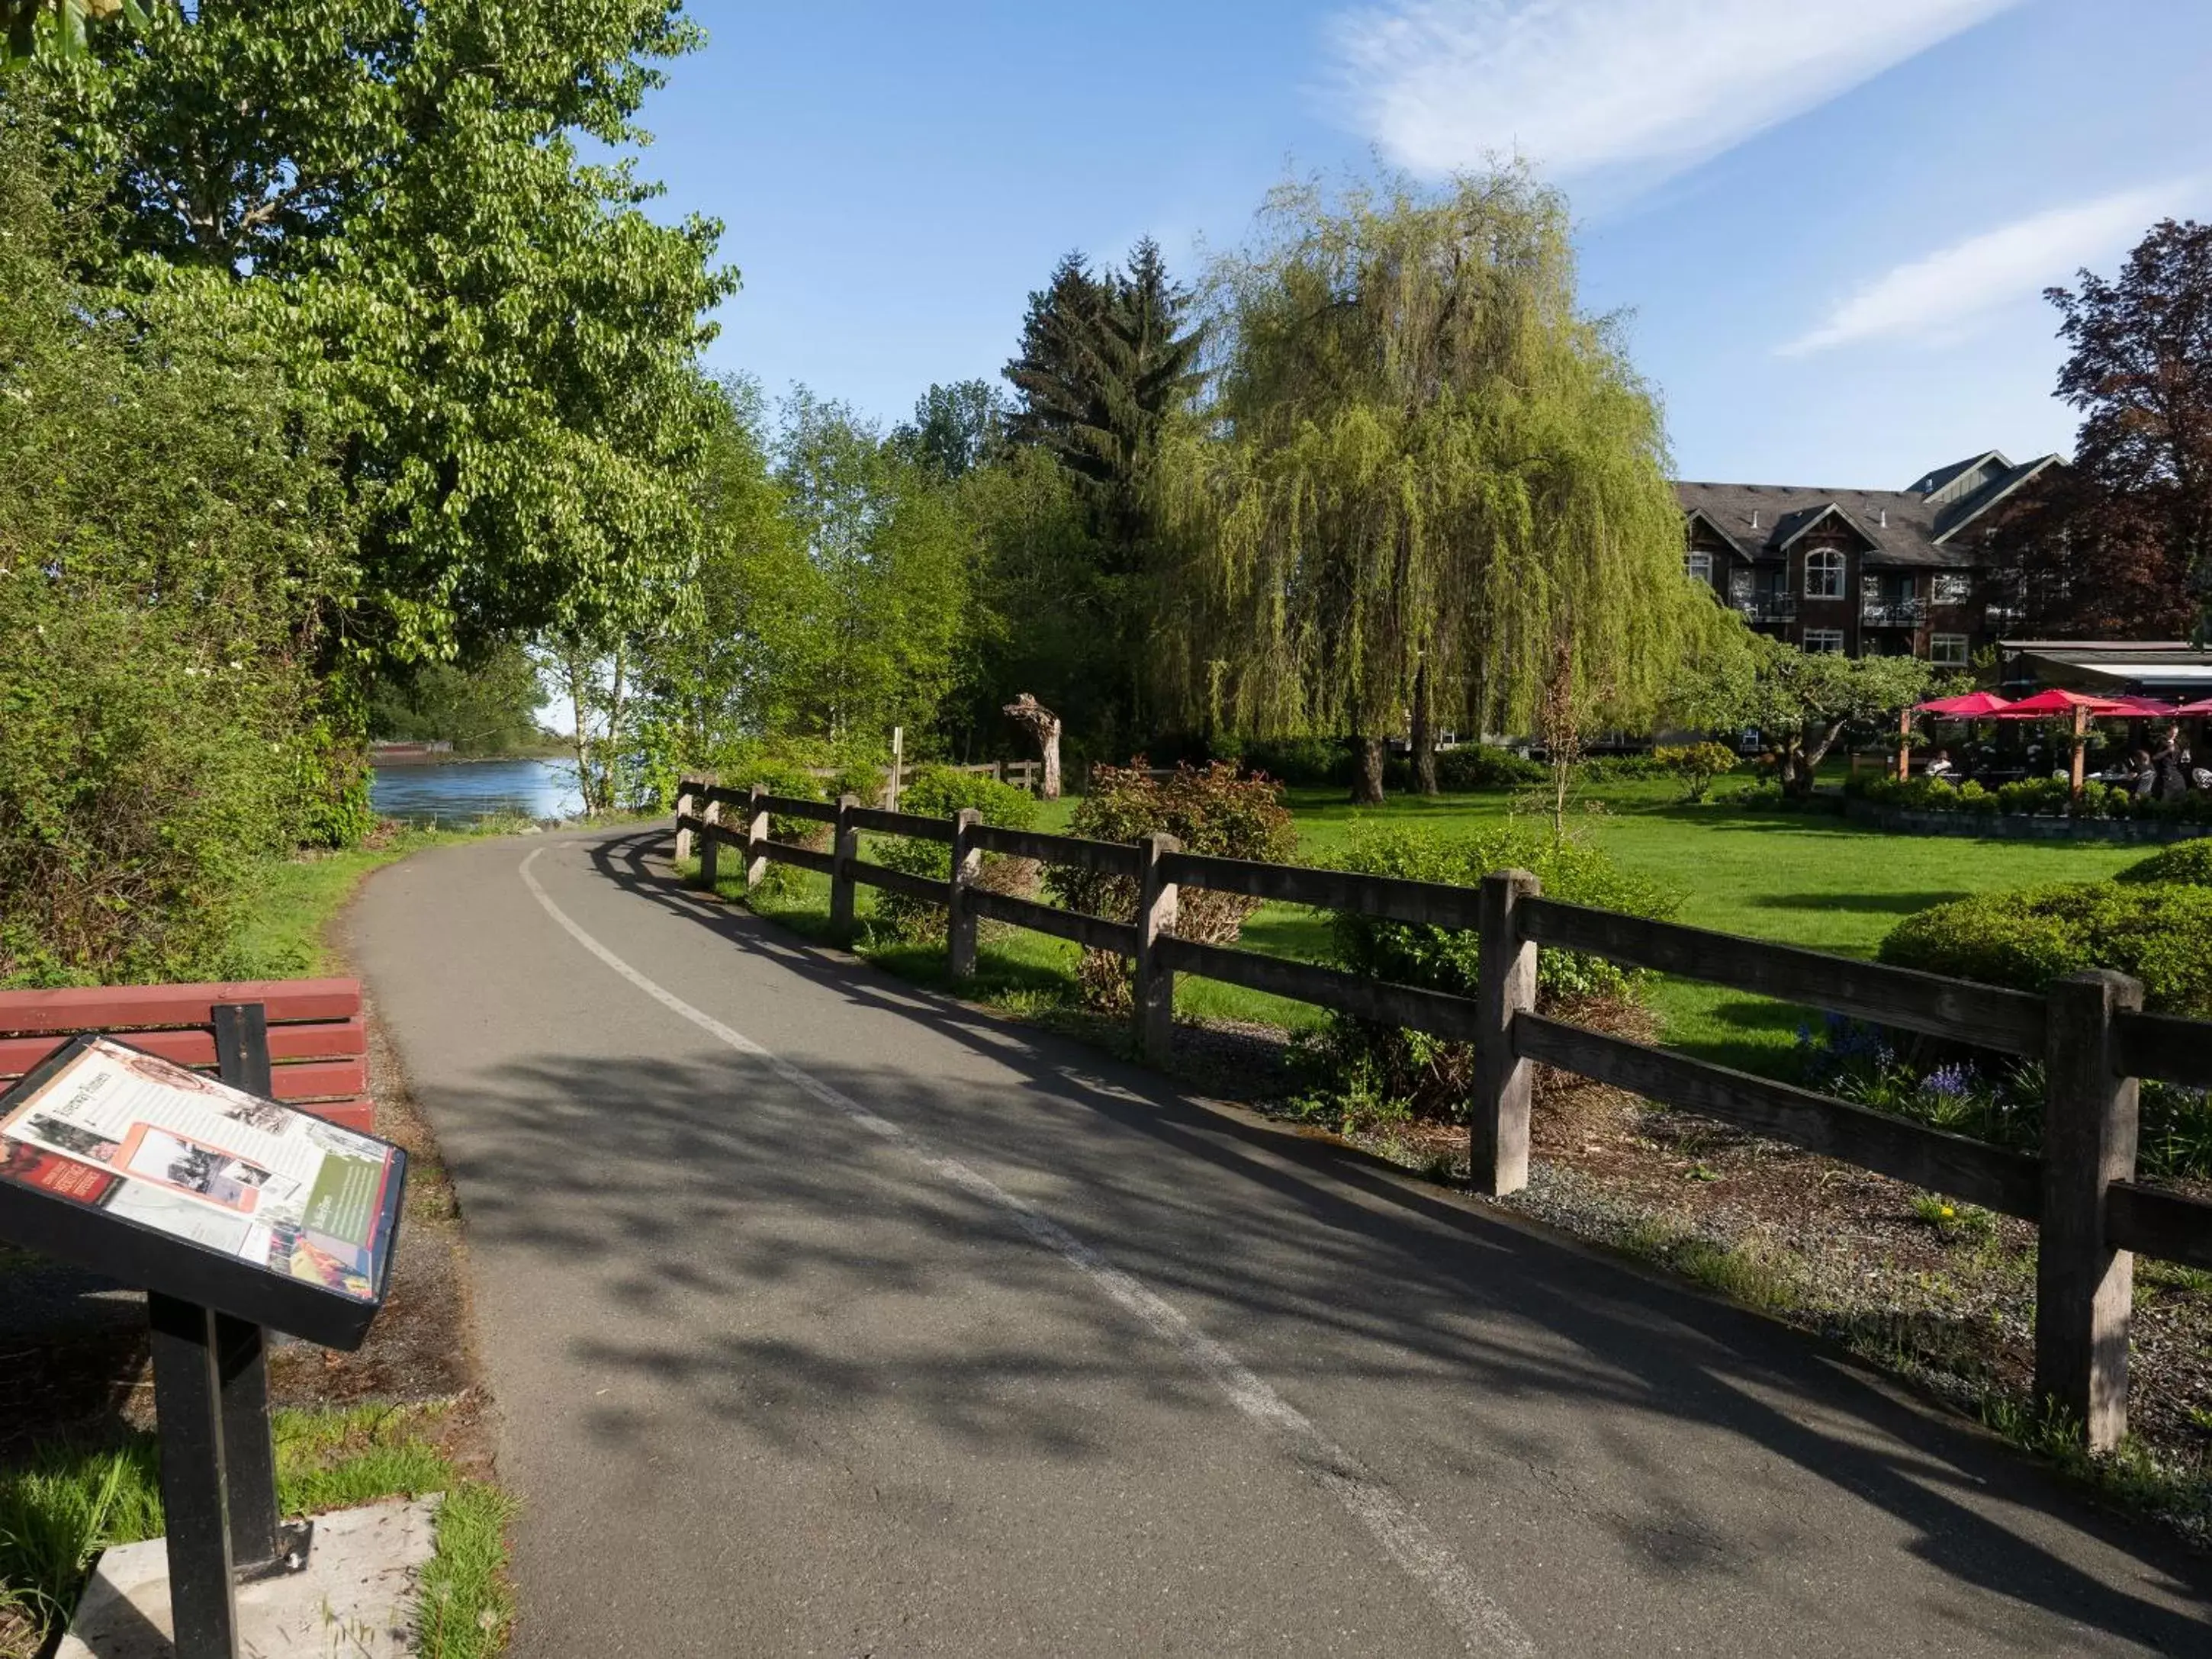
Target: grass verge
[(70, 1501)]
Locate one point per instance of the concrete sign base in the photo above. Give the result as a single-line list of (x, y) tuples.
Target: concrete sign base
[(355, 1595)]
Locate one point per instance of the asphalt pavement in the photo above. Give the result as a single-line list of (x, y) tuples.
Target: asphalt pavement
[(827, 1316)]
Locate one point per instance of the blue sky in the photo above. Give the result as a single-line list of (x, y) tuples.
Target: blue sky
[(1830, 219)]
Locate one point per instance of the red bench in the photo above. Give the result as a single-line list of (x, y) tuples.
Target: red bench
[(318, 1041)]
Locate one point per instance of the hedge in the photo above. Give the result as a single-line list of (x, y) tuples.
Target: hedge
[(2029, 936)]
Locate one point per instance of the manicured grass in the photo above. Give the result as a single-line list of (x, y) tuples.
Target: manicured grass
[(1808, 879), (71, 1501)]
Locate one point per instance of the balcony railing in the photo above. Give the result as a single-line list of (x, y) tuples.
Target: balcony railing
[(1893, 613), (1766, 607)]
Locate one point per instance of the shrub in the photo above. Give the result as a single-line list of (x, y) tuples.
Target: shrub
[(172, 530), (2031, 936), (938, 791), (1357, 1060), (1210, 810), (1484, 766), (2188, 862), (1301, 762), (1697, 765)]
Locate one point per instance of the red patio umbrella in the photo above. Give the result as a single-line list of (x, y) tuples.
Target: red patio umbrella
[(1974, 706), (2147, 708), (2202, 706), (2058, 701)]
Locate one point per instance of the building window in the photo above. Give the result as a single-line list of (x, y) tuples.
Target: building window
[(1949, 651), (1824, 574), (1698, 566), (1825, 639), (1953, 590)]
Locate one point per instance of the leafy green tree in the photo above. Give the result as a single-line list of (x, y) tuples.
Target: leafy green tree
[(505, 337), (955, 428), (887, 555), (490, 708), (1432, 489), (1802, 703), (173, 539)]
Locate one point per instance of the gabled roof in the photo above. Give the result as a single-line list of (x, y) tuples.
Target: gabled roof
[(1719, 530), (1909, 527), (1897, 526), (1957, 515), (1809, 518), (1930, 483)]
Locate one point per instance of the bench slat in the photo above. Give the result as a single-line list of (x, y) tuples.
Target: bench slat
[(120, 1008)]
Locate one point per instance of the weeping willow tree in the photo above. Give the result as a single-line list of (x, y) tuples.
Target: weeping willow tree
[(1428, 488)]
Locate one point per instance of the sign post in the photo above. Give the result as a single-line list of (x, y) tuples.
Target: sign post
[(237, 1214)]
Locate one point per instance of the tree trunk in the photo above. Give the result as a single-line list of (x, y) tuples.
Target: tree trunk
[(1367, 771), (1805, 758), (1423, 738), (1049, 790)]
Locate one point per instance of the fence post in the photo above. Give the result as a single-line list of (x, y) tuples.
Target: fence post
[(842, 851), (710, 843), (2083, 1287), (755, 836), (960, 921), (1498, 1110), (1155, 916), (685, 806)]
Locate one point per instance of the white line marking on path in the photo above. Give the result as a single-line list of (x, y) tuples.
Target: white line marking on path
[(1483, 1625)]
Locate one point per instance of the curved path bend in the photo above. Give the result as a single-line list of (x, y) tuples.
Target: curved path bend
[(825, 1317)]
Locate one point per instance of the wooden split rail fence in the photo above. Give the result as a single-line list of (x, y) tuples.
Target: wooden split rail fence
[(2089, 1030)]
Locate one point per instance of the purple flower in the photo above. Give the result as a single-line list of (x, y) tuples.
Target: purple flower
[(1952, 1081)]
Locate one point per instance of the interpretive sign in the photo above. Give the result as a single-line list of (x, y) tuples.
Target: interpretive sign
[(234, 1213), (170, 1179)]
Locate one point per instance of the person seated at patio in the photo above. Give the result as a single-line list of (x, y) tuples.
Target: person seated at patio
[(2141, 775), (1939, 766)]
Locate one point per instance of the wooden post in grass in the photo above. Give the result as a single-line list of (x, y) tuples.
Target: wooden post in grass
[(1905, 746), (755, 838), (686, 804), (2080, 746), (710, 842), (960, 921), (1156, 916), (2083, 1286), (842, 851), (1505, 986)]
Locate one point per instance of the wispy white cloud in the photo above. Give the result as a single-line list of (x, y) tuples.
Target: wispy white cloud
[(1579, 85), (1957, 283)]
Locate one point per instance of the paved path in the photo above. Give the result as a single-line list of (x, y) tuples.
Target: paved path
[(825, 1317)]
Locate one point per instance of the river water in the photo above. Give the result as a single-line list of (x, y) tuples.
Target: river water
[(465, 791)]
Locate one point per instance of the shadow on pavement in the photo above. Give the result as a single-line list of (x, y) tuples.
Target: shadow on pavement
[(1253, 1230)]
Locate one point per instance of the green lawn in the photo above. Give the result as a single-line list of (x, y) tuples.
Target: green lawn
[(1804, 879)]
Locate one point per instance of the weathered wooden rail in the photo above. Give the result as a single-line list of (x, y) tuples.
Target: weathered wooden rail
[(2089, 1030)]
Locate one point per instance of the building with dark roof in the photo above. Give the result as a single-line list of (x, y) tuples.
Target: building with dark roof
[(1920, 572)]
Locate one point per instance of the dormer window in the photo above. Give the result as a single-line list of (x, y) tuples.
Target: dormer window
[(1824, 574)]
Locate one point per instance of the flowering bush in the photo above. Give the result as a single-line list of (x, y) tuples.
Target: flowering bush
[(1209, 809)]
